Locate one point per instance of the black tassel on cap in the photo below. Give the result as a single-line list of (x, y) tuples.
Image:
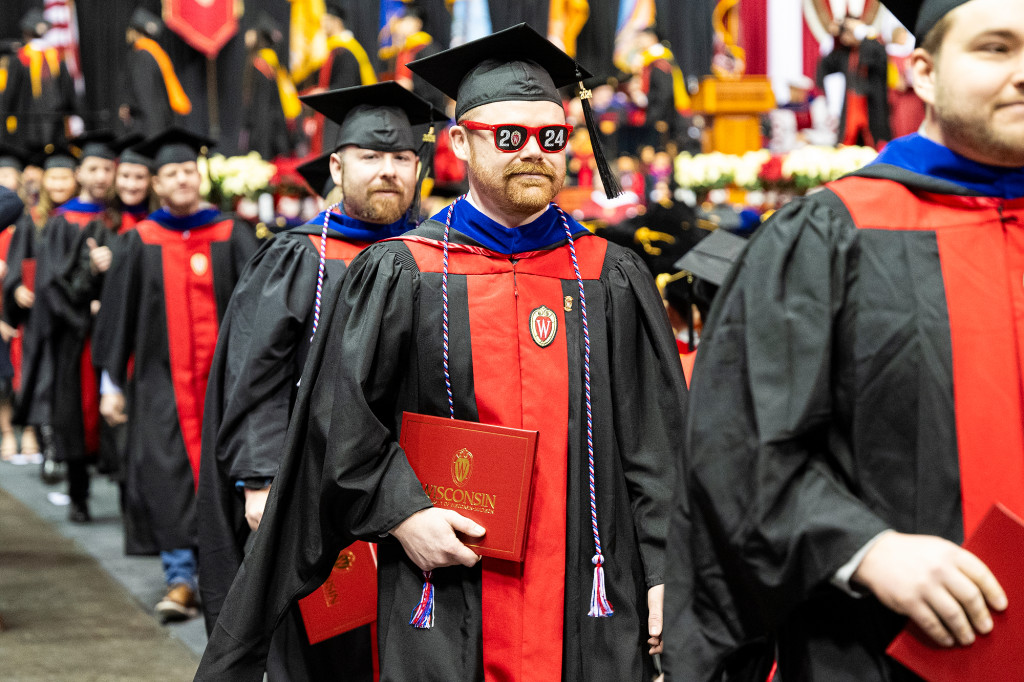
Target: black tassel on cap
[(612, 188)]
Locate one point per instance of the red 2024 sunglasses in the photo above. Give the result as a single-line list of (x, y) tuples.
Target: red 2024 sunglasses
[(511, 137)]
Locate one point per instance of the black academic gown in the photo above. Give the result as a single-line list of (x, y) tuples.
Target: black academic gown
[(344, 476), (162, 301), (869, 78), (261, 348), (71, 295), (75, 415), (34, 400), (40, 115), (823, 411), (146, 94), (264, 128)]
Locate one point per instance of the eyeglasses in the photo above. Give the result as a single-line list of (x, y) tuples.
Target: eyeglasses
[(511, 137)]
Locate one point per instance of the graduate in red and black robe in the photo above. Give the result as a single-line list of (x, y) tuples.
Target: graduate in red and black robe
[(26, 310), (380, 352), (162, 302), (75, 295), (75, 410), (857, 398), (264, 339)]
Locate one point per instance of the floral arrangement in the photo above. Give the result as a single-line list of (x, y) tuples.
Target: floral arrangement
[(225, 180), (798, 171)]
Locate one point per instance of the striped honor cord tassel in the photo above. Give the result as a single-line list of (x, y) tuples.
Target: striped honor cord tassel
[(600, 607), (423, 615)]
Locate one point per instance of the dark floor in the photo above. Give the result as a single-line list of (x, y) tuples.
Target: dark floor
[(73, 606)]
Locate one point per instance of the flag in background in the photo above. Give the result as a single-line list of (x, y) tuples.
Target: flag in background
[(389, 9), (634, 16), (471, 19), (566, 19), (63, 35), (307, 44)]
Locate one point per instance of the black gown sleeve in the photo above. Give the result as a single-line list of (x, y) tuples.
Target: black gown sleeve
[(343, 476), (661, 102), (11, 207), (771, 515), (117, 321), (649, 404)]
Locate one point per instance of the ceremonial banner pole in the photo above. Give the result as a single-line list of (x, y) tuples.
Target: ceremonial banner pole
[(211, 97)]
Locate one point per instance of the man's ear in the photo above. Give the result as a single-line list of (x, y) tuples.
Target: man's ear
[(459, 137), (335, 164), (923, 67)]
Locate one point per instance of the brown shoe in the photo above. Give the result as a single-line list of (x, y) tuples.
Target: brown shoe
[(178, 604)]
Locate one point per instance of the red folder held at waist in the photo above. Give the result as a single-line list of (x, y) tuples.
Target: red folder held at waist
[(999, 543), (347, 599), (483, 472), (28, 273)]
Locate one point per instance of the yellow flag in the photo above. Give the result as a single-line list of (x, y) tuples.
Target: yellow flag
[(307, 42)]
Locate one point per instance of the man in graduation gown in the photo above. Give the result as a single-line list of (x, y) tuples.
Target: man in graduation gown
[(153, 94), (857, 397), (40, 91), (263, 342), (75, 412), (347, 65), (266, 91), (22, 308), (162, 302), (862, 59), (381, 351)]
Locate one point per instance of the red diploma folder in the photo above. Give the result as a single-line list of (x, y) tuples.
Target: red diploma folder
[(347, 599), (28, 273), (999, 542), (481, 471)]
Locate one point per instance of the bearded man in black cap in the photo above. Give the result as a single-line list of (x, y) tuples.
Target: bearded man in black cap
[(263, 342), (458, 302), (162, 302), (857, 409)]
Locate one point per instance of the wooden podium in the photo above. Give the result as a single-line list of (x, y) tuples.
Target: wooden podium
[(734, 107)]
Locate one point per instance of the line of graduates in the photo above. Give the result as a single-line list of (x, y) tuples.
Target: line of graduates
[(856, 404), (855, 413)]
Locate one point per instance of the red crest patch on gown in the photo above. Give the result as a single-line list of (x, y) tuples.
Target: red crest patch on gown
[(543, 326)]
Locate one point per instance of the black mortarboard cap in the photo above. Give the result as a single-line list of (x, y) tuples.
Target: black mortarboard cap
[(144, 21), (98, 143), (336, 8), (317, 174), (920, 16), (516, 64), (125, 148), (55, 156), (173, 145), (31, 21), (12, 157), (713, 257), (376, 116)]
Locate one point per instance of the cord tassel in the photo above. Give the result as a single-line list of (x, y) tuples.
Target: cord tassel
[(423, 615), (600, 607)]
